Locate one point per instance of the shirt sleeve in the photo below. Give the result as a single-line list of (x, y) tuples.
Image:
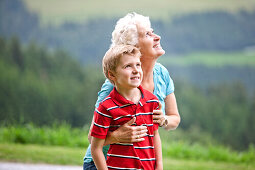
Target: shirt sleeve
[(170, 85), (104, 92), (101, 124), (168, 80)]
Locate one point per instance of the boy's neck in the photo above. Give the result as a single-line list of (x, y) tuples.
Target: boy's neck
[(133, 94)]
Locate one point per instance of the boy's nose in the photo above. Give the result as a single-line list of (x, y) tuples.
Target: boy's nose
[(135, 70)]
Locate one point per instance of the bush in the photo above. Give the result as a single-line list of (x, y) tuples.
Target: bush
[(57, 134)]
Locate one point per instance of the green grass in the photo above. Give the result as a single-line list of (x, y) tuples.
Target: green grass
[(41, 154), (237, 59), (173, 164), (190, 145), (74, 156), (58, 11)]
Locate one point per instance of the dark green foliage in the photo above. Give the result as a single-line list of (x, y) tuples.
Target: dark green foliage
[(53, 87), (57, 134), (43, 87), (224, 110)]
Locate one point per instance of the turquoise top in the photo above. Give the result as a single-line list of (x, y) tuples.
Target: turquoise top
[(163, 86)]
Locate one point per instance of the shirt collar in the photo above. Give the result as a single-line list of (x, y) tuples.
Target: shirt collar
[(119, 100)]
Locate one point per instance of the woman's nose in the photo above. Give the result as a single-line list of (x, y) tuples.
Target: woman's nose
[(156, 37)]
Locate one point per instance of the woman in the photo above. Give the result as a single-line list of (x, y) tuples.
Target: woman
[(135, 29)]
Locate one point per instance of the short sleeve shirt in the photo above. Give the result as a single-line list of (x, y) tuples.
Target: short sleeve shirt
[(113, 112), (163, 86)]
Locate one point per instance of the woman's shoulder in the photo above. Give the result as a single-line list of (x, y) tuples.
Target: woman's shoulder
[(160, 69)]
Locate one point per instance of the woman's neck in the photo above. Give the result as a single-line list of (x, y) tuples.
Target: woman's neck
[(147, 67)]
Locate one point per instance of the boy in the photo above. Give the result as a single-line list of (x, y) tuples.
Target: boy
[(122, 66)]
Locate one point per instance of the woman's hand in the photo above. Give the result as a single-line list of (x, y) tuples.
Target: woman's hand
[(127, 133), (158, 116)]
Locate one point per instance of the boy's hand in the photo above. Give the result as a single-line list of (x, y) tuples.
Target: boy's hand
[(128, 133)]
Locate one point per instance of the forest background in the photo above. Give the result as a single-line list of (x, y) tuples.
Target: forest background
[(50, 64)]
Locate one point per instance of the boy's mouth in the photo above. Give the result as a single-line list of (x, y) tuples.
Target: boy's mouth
[(135, 78)]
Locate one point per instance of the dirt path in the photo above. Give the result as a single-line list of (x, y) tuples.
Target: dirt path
[(24, 166)]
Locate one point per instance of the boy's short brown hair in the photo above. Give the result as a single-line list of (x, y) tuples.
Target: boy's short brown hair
[(112, 56)]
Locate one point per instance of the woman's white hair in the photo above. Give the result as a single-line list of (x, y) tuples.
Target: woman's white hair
[(125, 31)]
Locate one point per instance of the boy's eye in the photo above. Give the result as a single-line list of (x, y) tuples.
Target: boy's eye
[(138, 64), (127, 66)]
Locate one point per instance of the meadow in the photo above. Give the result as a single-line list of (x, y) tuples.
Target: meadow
[(61, 144), (211, 59)]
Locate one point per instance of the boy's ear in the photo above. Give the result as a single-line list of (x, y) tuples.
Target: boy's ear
[(111, 75)]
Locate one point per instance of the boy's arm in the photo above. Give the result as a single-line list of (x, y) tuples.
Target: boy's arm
[(97, 153), (90, 129), (158, 151)]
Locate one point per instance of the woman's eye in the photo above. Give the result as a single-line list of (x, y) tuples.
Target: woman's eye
[(127, 66)]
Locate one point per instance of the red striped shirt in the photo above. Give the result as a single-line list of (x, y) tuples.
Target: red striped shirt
[(113, 112)]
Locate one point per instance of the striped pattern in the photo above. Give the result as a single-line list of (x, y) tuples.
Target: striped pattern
[(101, 126), (103, 114), (115, 111), (111, 167)]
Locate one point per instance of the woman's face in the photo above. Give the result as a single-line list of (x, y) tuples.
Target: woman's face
[(149, 42)]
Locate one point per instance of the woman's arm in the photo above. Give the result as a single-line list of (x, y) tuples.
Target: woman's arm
[(124, 134), (127, 134), (172, 118), (97, 153), (158, 151), (172, 114)]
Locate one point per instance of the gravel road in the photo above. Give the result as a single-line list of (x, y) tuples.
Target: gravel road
[(25, 166)]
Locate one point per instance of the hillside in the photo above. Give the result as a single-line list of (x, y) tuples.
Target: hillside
[(208, 31), (212, 71), (59, 11)]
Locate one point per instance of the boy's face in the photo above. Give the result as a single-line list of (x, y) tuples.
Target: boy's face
[(128, 73)]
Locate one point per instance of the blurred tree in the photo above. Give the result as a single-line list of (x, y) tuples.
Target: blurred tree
[(16, 53), (52, 86)]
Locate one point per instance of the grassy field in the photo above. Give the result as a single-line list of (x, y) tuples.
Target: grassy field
[(237, 59), (60, 143), (73, 156), (58, 11)]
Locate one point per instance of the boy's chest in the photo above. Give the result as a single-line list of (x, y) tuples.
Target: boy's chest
[(143, 115)]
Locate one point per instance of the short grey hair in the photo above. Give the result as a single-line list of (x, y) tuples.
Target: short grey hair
[(125, 31)]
